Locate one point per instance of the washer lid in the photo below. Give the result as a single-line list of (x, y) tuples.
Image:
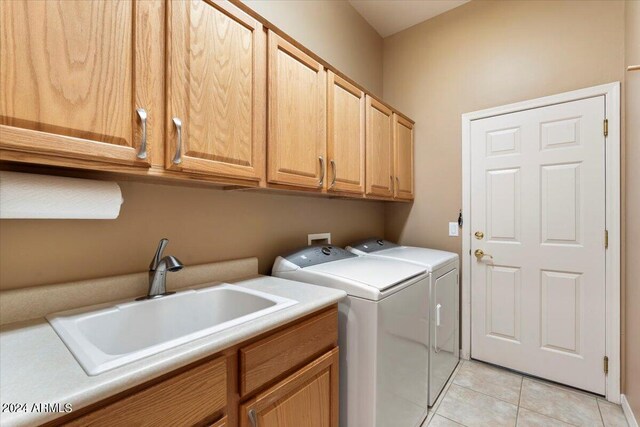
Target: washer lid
[(432, 259), (379, 273)]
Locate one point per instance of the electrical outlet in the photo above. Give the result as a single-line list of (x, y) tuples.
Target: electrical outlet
[(453, 229), (319, 239)]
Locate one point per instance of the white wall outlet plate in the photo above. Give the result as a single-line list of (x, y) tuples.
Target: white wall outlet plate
[(319, 239), (453, 229)]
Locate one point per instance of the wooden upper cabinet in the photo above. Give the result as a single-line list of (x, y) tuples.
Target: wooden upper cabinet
[(72, 76), (296, 130), (216, 98), (345, 135), (307, 398), (379, 149), (403, 148)]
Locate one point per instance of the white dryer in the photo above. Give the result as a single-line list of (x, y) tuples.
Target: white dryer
[(443, 302), (383, 334)]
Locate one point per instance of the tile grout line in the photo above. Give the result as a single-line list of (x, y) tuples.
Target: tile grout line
[(536, 412), (539, 380), (600, 412), (519, 399), (485, 394), (522, 378), (564, 388), (454, 421)]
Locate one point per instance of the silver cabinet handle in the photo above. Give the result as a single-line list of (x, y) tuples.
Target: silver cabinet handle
[(177, 159), (142, 115), (252, 418), (333, 167), (321, 171)]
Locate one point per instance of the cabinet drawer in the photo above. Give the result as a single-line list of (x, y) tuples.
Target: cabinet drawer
[(185, 399), (265, 360), (220, 423)]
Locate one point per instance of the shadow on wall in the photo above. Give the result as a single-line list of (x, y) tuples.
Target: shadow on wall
[(202, 225), (396, 218)]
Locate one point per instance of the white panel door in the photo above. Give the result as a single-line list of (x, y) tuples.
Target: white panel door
[(538, 213)]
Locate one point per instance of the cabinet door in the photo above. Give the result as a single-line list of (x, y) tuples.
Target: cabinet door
[(379, 151), (72, 76), (296, 130), (307, 398), (216, 100), (345, 135), (403, 143)]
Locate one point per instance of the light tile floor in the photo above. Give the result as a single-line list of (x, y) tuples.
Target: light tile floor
[(483, 395)]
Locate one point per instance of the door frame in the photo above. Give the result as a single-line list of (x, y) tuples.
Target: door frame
[(611, 93)]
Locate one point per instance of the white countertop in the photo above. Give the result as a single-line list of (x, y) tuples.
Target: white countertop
[(37, 368)]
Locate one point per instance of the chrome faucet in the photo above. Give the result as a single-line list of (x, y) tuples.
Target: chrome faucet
[(158, 272)]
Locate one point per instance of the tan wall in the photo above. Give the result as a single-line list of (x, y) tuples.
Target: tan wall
[(485, 54), (335, 31), (202, 225), (480, 55), (632, 88), (205, 224)]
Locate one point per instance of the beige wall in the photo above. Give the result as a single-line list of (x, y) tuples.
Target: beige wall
[(335, 31), (480, 55), (632, 88), (485, 54), (202, 225), (205, 224)]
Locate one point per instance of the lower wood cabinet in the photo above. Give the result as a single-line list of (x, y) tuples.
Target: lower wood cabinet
[(309, 398), (188, 398), (284, 378)]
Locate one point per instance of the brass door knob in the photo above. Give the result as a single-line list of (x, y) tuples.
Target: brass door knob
[(479, 253), (479, 235)]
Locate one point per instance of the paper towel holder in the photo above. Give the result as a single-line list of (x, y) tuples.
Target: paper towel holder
[(33, 196)]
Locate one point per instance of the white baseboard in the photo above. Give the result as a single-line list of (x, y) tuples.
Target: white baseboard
[(628, 413)]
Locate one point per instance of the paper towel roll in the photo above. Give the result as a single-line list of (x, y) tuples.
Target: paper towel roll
[(24, 195)]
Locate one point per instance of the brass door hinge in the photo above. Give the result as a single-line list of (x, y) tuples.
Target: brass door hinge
[(606, 239), (606, 365), (606, 127)]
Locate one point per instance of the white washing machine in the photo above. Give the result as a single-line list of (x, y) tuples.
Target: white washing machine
[(443, 303), (383, 332)]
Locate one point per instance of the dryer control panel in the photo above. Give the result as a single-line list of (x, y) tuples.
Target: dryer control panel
[(373, 244), (319, 254)]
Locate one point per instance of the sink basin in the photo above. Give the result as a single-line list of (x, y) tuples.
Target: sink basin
[(106, 336)]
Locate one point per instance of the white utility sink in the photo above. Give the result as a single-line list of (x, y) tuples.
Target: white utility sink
[(106, 336)]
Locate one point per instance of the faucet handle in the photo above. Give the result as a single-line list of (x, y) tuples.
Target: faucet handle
[(158, 256)]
